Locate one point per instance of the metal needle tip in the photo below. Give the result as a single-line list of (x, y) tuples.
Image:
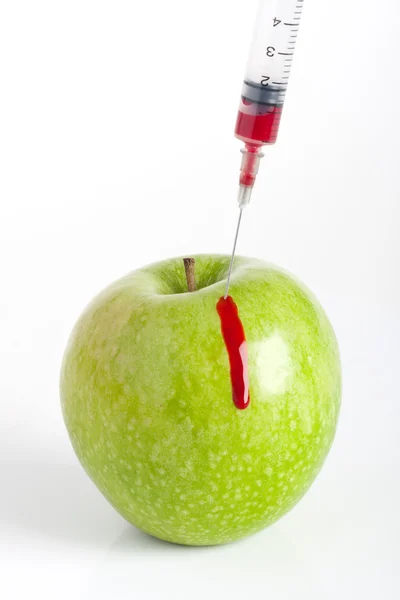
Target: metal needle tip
[(233, 255)]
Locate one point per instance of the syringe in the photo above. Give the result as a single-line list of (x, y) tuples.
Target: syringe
[(264, 91)]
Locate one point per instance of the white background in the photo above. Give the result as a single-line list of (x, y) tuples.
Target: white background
[(117, 149)]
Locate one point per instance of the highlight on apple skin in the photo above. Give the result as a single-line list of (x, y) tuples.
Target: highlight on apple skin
[(147, 399)]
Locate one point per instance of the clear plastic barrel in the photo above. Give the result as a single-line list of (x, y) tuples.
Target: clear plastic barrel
[(268, 70)]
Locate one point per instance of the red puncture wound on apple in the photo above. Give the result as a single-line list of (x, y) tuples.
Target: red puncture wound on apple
[(236, 345)]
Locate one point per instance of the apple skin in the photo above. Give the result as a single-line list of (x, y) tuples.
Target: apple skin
[(147, 399)]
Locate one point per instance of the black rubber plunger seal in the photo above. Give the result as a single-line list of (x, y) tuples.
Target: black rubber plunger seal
[(268, 94)]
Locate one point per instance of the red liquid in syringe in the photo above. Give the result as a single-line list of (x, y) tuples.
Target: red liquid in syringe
[(257, 124)]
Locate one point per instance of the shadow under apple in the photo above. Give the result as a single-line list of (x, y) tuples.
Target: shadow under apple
[(55, 500)]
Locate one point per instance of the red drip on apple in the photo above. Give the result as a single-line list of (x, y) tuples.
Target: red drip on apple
[(234, 338), (236, 345)]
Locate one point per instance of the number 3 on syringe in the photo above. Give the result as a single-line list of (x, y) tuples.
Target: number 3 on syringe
[(270, 53)]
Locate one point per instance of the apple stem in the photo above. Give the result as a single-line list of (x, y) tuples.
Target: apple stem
[(189, 270)]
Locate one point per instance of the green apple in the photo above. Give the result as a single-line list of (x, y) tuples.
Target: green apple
[(147, 399)]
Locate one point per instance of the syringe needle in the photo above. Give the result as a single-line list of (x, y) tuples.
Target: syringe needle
[(233, 254)]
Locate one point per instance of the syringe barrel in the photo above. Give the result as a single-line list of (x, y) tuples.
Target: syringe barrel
[(268, 69)]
